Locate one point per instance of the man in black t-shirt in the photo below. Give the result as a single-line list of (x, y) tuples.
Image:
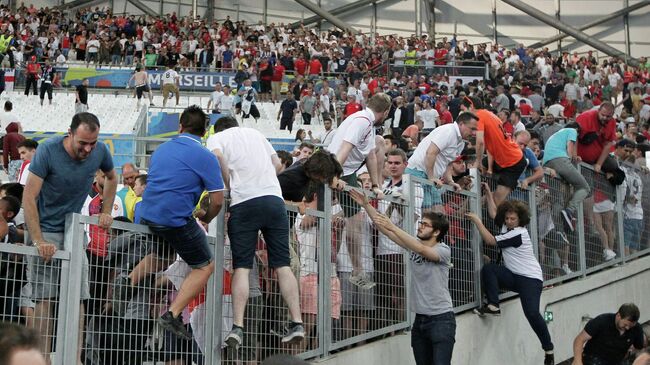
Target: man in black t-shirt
[(81, 101), (287, 112), (608, 337)]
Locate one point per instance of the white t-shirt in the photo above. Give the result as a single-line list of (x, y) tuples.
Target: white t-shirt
[(22, 179), (450, 143), (358, 130), (247, 154), (518, 253), (169, 77), (226, 103), (308, 244), (93, 46), (215, 97), (8, 117), (385, 246), (429, 117), (556, 110)]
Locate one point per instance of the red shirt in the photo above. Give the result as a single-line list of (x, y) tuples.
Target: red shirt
[(440, 54), (569, 108), (351, 108), (300, 65), (278, 72), (525, 109), (445, 117), (315, 67), (589, 123)]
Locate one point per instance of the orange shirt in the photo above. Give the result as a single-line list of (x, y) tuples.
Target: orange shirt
[(503, 149)]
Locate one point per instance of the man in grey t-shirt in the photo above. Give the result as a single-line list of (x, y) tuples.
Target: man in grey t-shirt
[(61, 174), (434, 329)]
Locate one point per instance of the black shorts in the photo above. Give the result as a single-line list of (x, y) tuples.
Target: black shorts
[(265, 86), (266, 214), (253, 112), (350, 207), (188, 241), (139, 90), (509, 176)]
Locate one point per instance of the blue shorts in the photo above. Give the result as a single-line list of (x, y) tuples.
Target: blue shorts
[(188, 241), (431, 194), (266, 214), (632, 229)]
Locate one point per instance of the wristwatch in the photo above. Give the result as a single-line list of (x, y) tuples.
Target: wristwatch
[(36, 244)]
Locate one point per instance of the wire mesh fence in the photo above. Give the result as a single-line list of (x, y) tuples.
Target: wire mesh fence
[(353, 281), (600, 213)]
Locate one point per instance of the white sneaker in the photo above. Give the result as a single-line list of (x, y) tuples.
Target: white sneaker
[(608, 254), (566, 269), (362, 281)]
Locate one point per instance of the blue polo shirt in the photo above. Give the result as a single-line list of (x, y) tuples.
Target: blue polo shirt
[(180, 170)]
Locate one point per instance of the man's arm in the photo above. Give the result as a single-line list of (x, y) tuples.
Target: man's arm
[(538, 174), (344, 151), (216, 202), (225, 173), (277, 163), (603, 155), (480, 148), (30, 194), (578, 346), (108, 196), (430, 160)]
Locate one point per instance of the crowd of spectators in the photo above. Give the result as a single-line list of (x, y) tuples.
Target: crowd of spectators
[(545, 111)]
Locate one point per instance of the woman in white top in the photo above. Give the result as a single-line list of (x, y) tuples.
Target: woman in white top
[(521, 273)]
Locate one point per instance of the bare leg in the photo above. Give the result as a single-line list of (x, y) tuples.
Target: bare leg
[(43, 324), (353, 227), (192, 286), (598, 223), (148, 265), (608, 224), (239, 295), (289, 291), (500, 194), (81, 333)]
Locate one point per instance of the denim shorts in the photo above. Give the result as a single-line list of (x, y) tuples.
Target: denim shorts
[(432, 196), (632, 229), (188, 241), (266, 214)]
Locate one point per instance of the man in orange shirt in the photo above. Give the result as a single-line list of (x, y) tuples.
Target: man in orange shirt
[(504, 157)]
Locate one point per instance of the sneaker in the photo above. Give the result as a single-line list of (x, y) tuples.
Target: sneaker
[(481, 312), (362, 281), (608, 254), (569, 219), (235, 337), (566, 269), (294, 334), (174, 325), (549, 359), (122, 292)]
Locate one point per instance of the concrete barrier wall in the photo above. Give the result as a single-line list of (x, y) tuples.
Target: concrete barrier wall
[(509, 339)]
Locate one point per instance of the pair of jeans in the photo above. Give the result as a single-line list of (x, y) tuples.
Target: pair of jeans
[(496, 277), (433, 338), (570, 174)]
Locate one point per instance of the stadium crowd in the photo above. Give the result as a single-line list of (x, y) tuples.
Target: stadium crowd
[(391, 106)]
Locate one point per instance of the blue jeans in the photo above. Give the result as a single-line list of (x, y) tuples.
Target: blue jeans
[(632, 229), (433, 338), (496, 277), (188, 241), (431, 194)]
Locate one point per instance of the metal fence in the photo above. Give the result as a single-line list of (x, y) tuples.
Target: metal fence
[(129, 288)]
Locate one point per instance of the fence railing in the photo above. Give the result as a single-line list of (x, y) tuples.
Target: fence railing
[(327, 246), (457, 70)]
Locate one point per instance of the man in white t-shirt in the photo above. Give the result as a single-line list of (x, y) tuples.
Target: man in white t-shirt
[(432, 157), (356, 145), (170, 84), (249, 165), (325, 137), (92, 49), (7, 116), (27, 150), (215, 99), (226, 102)]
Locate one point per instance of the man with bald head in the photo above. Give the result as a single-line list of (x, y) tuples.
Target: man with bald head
[(125, 192)]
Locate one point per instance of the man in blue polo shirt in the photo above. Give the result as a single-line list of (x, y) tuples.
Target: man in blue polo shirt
[(180, 170)]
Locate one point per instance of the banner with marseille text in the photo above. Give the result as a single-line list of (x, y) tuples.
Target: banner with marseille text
[(116, 78)]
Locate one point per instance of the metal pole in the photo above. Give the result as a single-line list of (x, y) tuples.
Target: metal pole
[(237, 16), (557, 15), (160, 7), (432, 30), (210, 11), (194, 8), (336, 11), (418, 18), (319, 25), (326, 15), (596, 22), (265, 12), (373, 21), (626, 27), (581, 36), (495, 37)]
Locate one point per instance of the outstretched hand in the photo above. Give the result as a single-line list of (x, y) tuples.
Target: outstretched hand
[(383, 221), (359, 196)]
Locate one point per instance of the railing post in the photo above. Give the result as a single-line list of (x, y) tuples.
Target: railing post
[(324, 281), (534, 231), (409, 226), (582, 252), (70, 302), (475, 207), (214, 294), (620, 215)]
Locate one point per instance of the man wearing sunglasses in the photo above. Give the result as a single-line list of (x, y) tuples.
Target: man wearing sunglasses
[(504, 155)]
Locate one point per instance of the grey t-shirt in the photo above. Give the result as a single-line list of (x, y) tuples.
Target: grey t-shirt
[(430, 283), (65, 181)]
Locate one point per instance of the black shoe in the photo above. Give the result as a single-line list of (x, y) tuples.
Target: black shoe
[(174, 325), (122, 293), (481, 312), (549, 359), (235, 337), (569, 220), (292, 334)]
